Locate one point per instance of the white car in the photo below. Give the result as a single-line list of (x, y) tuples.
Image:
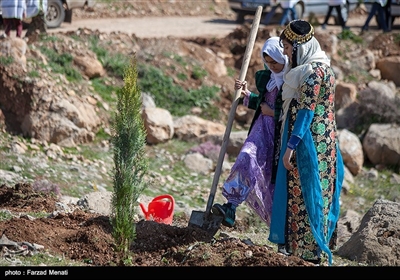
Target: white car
[(59, 11), (304, 8)]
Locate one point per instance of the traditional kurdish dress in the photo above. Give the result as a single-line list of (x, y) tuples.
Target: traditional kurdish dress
[(306, 199)]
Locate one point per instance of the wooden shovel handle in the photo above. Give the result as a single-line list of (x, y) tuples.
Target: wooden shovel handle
[(242, 76)]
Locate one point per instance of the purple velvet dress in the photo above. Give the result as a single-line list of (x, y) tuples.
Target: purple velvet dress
[(250, 176)]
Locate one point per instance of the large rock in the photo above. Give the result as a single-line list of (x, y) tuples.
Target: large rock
[(377, 240), (352, 152), (159, 125), (390, 67), (382, 144), (192, 127)]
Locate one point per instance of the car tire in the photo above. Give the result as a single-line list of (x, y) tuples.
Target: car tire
[(55, 14)]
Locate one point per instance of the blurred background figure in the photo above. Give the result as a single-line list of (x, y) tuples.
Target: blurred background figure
[(288, 7), (36, 9), (13, 12), (338, 6), (274, 5), (378, 7)]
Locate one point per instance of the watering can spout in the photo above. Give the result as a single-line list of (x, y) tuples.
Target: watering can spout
[(160, 209), (145, 212)]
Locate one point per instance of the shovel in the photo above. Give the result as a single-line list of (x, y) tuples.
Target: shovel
[(207, 220)]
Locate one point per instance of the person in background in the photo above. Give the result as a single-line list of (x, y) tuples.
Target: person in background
[(13, 12), (274, 5), (310, 169), (288, 6), (36, 9), (252, 176), (377, 7), (338, 6), (388, 14)]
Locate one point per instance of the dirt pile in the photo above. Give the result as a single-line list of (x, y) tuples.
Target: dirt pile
[(86, 237)]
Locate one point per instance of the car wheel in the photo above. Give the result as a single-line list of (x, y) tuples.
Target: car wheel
[(55, 13), (240, 17)]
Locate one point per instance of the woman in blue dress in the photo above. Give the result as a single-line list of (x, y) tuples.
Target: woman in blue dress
[(310, 170)]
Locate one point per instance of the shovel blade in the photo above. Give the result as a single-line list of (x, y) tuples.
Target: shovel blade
[(211, 224)]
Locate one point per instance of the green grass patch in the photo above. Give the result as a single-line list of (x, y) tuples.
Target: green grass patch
[(114, 63), (182, 76), (198, 73), (48, 38), (33, 74), (231, 72), (6, 60), (62, 63), (172, 97), (347, 34), (5, 215), (106, 89)]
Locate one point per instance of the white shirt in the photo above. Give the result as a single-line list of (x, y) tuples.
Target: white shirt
[(382, 2), (34, 6), (13, 8), (336, 2), (287, 3)]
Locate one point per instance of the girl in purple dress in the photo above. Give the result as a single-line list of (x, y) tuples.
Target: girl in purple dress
[(252, 176)]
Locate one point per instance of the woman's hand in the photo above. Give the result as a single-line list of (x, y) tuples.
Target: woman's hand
[(287, 158)]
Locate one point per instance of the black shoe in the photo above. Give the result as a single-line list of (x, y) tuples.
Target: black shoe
[(228, 211)]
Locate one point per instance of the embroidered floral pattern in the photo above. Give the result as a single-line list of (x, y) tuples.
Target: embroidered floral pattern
[(317, 95)]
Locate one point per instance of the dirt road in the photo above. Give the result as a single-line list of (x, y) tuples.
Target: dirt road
[(154, 27)]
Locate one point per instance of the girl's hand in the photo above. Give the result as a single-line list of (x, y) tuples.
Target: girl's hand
[(242, 85), (266, 110)]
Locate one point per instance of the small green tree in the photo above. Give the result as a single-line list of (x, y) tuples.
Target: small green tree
[(130, 163)]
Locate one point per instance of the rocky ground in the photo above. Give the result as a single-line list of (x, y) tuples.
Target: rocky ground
[(86, 237)]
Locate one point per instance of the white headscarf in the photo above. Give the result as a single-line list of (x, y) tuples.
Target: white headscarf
[(306, 54), (294, 77), (273, 49)]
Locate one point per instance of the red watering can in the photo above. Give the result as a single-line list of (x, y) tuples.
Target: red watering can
[(160, 209)]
